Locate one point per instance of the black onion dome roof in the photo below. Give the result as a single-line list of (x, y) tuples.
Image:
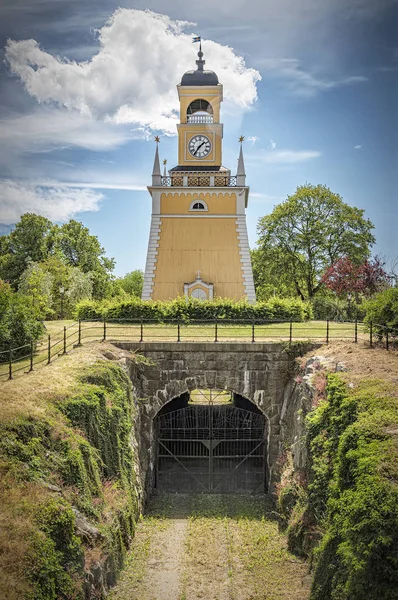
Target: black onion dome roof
[(199, 77)]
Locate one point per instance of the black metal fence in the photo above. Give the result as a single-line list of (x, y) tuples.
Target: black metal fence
[(24, 359)]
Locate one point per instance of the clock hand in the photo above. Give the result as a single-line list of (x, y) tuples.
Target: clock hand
[(198, 148)]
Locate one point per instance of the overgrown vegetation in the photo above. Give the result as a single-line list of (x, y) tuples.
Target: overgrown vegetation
[(275, 309), (68, 490), (382, 311), (344, 510)]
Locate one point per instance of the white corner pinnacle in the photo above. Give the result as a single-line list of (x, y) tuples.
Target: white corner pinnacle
[(241, 174), (156, 173)]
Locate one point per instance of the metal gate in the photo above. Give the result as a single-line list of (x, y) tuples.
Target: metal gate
[(214, 448)]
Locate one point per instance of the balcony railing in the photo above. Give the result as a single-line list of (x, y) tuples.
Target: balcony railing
[(200, 118), (198, 181)]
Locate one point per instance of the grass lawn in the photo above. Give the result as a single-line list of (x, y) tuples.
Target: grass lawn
[(94, 331)]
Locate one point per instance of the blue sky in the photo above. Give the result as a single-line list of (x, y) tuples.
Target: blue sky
[(84, 87)]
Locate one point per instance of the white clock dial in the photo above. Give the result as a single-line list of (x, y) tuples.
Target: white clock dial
[(199, 146)]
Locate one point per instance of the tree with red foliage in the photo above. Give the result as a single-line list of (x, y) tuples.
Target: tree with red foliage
[(344, 276)]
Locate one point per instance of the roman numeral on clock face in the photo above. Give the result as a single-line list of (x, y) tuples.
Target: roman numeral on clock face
[(199, 146)]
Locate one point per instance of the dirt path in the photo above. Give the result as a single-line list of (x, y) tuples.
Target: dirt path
[(211, 548)]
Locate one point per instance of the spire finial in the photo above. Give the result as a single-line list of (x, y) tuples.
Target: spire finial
[(241, 139), (156, 174), (164, 167)]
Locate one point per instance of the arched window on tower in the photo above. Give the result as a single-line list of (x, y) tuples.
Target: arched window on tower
[(198, 205), (200, 111)]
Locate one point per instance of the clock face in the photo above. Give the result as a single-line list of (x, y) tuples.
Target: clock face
[(199, 146)]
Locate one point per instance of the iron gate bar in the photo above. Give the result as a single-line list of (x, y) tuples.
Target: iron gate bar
[(183, 466), (241, 462), (231, 429)]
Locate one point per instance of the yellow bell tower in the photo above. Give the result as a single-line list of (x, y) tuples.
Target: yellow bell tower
[(198, 244)]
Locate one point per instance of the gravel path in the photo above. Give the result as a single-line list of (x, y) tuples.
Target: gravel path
[(211, 548)]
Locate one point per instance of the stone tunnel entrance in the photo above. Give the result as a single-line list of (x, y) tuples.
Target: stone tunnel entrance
[(210, 441)]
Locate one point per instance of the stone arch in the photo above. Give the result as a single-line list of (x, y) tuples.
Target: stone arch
[(260, 372), (176, 388)]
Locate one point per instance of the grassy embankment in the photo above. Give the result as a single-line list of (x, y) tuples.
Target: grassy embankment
[(342, 510), (65, 460)]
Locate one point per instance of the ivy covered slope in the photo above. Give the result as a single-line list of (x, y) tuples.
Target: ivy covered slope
[(346, 503), (68, 491)]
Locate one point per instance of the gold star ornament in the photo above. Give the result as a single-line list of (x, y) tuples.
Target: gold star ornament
[(165, 161), (157, 139), (242, 137)]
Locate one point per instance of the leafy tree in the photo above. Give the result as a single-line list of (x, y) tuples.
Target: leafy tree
[(311, 230), (81, 249), (344, 277), (132, 283), (31, 240), (271, 277), (80, 287), (36, 285), (18, 322)]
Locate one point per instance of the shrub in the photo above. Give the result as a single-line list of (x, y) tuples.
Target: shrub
[(275, 309), (382, 311), (18, 322), (336, 309)]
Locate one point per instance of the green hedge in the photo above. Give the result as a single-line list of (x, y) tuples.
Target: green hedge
[(275, 309)]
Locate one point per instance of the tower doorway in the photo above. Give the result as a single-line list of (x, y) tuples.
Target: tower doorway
[(211, 441)]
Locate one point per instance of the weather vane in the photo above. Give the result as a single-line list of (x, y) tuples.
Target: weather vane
[(242, 137)]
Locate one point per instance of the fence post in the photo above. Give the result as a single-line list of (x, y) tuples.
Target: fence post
[(327, 331), (141, 330), (10, 363), (356, 331), (215, 331), (64, 352), (31, 356), (253, 331), (79, 337), (104, 337), (178, 331), (290, 331), (49, 350), (371, 334), (387, 341)]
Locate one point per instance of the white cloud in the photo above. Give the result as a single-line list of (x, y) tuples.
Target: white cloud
[(132, 78), (301, 82), (50, 128), (272, 144), (56, 203), (253, 139), (266, 197), (283, 156), (95, 185), (358, 147)]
